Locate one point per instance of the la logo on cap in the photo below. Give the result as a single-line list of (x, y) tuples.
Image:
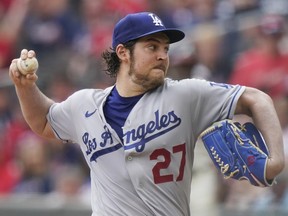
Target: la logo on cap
[(156, 20), (137, 25)]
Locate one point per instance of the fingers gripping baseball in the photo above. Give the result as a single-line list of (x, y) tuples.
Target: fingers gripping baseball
[(27, 63), (24, 68)]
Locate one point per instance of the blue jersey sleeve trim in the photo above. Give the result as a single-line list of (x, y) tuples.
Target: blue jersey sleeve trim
[(234, 98)]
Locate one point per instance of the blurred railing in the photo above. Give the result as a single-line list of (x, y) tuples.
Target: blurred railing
[(33, 205), (56, 206)]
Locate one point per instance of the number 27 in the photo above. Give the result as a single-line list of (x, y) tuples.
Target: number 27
[(158, 178)]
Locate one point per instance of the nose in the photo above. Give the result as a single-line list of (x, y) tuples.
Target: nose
[(162, 55)]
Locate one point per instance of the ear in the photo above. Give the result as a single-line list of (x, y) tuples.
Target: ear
[(122, 53)]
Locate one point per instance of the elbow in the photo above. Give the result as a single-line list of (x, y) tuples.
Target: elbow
[(42, 129), (280, 166), (274, 167)]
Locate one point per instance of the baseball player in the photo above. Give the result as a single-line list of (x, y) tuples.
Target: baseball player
[(138, 135)]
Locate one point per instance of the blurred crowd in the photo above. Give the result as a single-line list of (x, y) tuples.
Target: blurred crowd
[(234, 41)]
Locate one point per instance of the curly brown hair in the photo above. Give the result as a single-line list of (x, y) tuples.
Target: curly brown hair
[(112, 61)]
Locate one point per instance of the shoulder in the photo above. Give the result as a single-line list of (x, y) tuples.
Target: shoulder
[(84, 97), (81, 99), (181, 89), (199, 87), (170, 83), (90, 93), (189, 84)]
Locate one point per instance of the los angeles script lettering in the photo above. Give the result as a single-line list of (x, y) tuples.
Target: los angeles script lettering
[(146, 132), (92, 144), (137, 137)]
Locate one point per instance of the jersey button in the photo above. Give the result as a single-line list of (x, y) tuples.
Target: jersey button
[(129, 158)]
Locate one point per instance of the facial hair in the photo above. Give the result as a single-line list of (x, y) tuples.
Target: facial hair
[(143, 80)]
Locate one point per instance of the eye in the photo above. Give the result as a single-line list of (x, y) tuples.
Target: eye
[(167, 49), (152, 47)]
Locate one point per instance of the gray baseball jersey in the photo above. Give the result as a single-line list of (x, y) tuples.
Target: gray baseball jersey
[(150, 172)]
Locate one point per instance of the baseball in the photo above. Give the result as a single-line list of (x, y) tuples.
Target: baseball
[(29, 65)]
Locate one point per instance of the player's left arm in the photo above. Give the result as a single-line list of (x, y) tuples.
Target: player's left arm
[(259, 106)]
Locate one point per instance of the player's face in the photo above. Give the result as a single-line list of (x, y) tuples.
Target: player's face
[(150, 61)]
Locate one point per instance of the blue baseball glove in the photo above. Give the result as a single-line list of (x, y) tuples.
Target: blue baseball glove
[(238, 151)]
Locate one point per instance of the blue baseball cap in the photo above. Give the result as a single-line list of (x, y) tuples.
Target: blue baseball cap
[(137, 25)]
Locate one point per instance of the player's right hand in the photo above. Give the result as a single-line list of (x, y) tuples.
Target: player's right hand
[(19, 79)]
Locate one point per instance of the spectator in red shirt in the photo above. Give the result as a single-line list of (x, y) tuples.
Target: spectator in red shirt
[(12, 15), (264, 66)]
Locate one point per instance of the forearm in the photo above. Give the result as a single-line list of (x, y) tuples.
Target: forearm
[(35, 106), (266, 120), (260, 107)]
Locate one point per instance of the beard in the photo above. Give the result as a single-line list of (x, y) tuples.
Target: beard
[(144, 80)]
